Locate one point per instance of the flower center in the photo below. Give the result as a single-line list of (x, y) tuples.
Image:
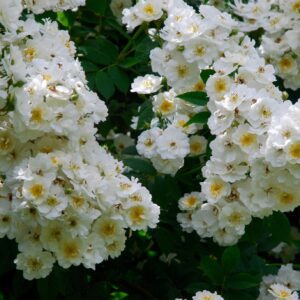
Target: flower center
[(294, 151), (36, 190), (247, 139)]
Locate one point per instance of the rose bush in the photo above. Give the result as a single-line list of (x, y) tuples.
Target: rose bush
[(182, 182)]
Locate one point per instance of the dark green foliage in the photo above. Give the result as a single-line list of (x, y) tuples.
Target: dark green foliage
[(197, 98), (166, 262)]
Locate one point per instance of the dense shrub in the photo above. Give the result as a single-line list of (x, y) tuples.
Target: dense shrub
[(185, 174)]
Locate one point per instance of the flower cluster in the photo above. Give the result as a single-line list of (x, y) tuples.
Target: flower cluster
[(283, 286), (40, 6), (165, 148), (63, 197), (280, 44), (253, 169), (12, 9), (170, 139), (244, 177), (205, 295), (143, 11)]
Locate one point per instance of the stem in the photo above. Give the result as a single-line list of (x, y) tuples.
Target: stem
[(130, 42), (125, 51)]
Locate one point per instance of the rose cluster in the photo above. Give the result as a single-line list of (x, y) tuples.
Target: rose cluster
[(283, 285), (253, 169), (205, 295), (280, 22), (63, 197)]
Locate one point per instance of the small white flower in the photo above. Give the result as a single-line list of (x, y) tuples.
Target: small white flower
[(206, 295), (172, 143), (281, 292), (147, 84), (35, 264), (146, 144)]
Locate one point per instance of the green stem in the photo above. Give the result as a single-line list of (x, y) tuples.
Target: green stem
[(130, 42), (125, 51)]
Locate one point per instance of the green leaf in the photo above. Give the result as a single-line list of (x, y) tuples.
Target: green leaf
[(91, 78), (165, 240), (140, 165), (242, 281), (97, 56), (109, 48), (130, 62), (104, 84), (120, 79), (256, 231), (201, 118), (19, 84), (205, 74), (66, 18), (97, 6), (197, 98), (145, 115), (115, 25), (171, 191), (230, 259), (212, 269), (280, 227), (119, 295), (131, 150), (143, 47), (238, 294), (89, 67), (106, 51)]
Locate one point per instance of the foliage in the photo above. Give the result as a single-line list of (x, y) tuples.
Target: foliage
[(162, 263)]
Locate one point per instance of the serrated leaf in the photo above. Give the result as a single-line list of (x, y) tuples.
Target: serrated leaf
[(280, 227), (104, 84), (130, 62), (145, 115), (97, 6), (205, 74), (197, 98), (143, 47), (131, 150), (88, 66), (212, 269), (115, 25), (66, 18), (120, 79), (96, 56), (230, 258), (242, 281), (200, 118), (140, 165), (108, 47)]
